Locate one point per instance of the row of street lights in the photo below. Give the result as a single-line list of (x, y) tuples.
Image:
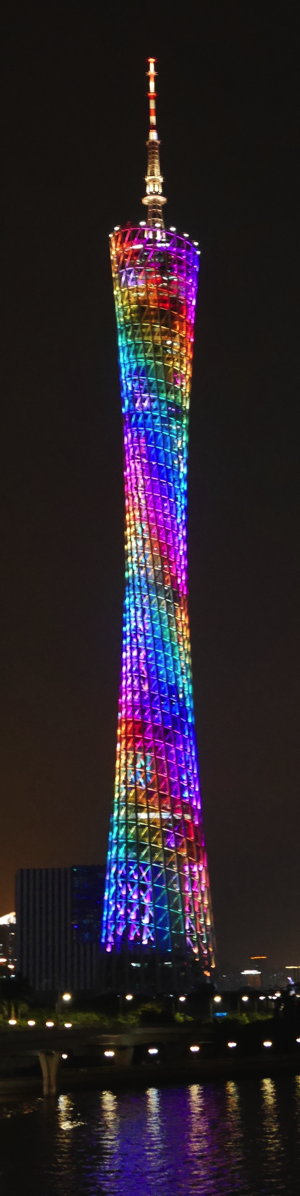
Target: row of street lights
[(254, 996), (130, 996), (13, 1021), (66, 997), (152, 1050), (194, 1048)]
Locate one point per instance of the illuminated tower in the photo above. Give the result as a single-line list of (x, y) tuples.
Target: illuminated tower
[(157, 902)]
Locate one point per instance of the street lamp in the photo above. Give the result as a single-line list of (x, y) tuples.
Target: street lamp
[(63, 999)]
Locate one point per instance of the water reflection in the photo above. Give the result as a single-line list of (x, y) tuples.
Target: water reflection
[(108, 1128), (215, 1139), (66, 1115), (196, 1119), (271, 1138), (109, 1112), (153, 1118), (65, 1106), (227, 1139), (154, 1136), (297, 1093)]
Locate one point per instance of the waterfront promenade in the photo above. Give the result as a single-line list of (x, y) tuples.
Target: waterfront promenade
[(56, 1058)]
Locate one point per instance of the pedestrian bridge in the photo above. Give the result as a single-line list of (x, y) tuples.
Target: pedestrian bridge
[(114, 1050)]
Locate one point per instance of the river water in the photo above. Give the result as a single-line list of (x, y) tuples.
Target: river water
[(212, 1139)]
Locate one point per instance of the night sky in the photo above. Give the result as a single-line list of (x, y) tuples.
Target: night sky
[(74, 126)]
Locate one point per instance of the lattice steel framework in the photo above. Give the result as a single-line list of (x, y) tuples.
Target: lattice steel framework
[(157, 893)]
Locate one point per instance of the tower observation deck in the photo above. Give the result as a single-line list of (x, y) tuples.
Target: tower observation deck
[(157, 907)]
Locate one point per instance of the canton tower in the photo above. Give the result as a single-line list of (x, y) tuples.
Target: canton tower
[(157, 906)]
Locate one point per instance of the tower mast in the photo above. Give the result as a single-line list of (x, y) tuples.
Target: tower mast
[(154, 198)]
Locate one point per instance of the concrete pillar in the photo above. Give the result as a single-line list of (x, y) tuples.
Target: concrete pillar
[(49, 1061)]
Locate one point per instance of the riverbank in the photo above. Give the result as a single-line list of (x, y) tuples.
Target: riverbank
[(158, 1074)]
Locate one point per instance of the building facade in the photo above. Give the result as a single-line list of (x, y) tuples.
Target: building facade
[(58, 912), (157, 896), (7, 945)]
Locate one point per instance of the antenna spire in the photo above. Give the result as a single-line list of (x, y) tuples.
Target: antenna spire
[(154, 198)]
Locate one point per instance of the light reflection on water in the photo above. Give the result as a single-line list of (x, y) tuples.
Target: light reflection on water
[(271, 1137), (66, 1118), (200, 1140), (154, 1136)]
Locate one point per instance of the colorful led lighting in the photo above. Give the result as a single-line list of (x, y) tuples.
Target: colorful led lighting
[(157, 892), (157, 888)]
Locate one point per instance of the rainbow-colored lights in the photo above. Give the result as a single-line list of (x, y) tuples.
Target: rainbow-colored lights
[(157, 886)]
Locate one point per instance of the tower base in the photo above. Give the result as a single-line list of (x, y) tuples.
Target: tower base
[(148, 971)]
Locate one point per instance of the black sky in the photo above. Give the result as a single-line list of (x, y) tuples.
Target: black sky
[(74, 125)]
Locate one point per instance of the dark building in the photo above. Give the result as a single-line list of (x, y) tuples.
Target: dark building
[(7, 945), (58, 927)]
